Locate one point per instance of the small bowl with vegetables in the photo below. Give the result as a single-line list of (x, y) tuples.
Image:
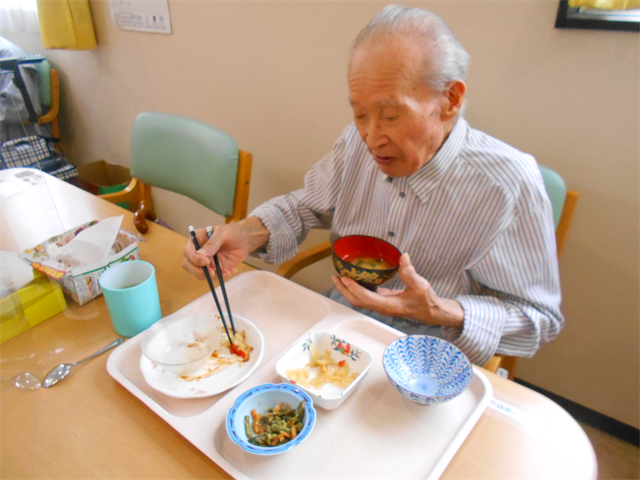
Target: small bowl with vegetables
[(271, 419), (368, 260), (326, 367)]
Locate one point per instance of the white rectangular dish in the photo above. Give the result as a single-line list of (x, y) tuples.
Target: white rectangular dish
[(376, 433), (353, 357)]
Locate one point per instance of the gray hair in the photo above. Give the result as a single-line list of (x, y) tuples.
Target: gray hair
[(445, 59)]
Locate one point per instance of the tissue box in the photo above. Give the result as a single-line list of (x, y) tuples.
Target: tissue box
[(81, 283), (33, 304)]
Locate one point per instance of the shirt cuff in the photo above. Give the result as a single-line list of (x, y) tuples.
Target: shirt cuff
[(282, 244), (484, 319)]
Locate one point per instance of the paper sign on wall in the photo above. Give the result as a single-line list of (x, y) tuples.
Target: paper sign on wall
[(141, 15)]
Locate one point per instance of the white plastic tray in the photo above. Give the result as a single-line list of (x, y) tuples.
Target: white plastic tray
[(376, 433)]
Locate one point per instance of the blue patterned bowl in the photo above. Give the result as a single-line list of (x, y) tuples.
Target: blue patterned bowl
[(262, 398), (425, 369)]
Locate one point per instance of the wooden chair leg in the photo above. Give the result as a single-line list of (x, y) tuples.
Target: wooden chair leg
[(505, 362), (493, 364), (509, 364)]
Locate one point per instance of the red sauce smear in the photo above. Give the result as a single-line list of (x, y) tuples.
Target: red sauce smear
[(235, 350)]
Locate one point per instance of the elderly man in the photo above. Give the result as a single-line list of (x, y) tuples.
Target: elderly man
[(470, 212)]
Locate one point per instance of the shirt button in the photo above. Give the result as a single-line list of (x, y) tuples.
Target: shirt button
[(389, 179), (402, 194), (391, 234)]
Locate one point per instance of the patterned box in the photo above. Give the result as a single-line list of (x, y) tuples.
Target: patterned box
[(81, 282)]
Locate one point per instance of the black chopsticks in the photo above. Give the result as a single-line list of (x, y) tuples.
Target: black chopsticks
[(211, 287), (221, 280)]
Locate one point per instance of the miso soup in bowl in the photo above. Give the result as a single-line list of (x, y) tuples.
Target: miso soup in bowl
[(370, 261)]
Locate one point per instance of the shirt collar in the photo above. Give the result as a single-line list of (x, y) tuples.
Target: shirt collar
[(426, 179)]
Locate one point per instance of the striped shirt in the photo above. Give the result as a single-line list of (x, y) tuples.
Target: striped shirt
[(475, 220)]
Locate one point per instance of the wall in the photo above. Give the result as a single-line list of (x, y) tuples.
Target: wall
[(272, 74)]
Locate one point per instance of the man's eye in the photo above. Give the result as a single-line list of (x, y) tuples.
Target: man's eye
[(390, 118)]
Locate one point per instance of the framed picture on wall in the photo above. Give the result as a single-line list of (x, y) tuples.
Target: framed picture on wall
[(590, 18)]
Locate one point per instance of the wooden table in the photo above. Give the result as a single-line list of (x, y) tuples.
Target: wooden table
[(89, 426)]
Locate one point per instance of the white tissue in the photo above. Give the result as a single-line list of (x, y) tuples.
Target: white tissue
[(89, 246), (14, 273)]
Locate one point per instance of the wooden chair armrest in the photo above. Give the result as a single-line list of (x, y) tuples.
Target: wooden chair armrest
[(304, 259), (141, 216), (129, 194), (48, 117), (52, 114), (138, 194)]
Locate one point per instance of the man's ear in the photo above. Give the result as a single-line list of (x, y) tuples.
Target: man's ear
[(454, 99)]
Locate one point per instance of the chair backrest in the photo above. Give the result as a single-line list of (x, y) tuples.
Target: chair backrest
[(557, 191), (563, 202), (50, 98), (44, 75), (186, 156)]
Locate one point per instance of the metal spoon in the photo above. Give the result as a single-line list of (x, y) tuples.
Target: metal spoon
[(62, 370)]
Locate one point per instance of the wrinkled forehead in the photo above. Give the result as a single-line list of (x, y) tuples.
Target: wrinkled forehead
[(382, 76), (380, 102), (388, 59)]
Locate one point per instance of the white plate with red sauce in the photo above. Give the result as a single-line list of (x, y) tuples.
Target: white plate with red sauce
[(177, 386)]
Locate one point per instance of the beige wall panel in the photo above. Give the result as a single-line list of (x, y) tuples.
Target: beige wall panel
[(273, 75)]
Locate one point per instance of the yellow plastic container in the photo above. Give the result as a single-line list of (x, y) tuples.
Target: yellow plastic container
[(33, 304)]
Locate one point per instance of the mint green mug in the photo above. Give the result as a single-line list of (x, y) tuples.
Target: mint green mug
[(131, 293)]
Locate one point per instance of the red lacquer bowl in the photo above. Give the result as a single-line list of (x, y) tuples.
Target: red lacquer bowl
[(368, 260)]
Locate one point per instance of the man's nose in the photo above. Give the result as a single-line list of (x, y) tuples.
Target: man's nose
[(376, 137)]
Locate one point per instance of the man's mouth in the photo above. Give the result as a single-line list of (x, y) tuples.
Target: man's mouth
[(383, 160)]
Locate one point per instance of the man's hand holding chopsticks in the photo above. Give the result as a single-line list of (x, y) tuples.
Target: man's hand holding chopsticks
[(232, 242)]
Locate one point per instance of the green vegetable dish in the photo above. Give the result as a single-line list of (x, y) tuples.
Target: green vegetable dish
[(279, 425)]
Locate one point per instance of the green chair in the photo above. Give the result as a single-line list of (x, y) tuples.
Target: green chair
[(188, 157), (50, 98), (556, 190), (563, 203), (49, 91), (49, 86)]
